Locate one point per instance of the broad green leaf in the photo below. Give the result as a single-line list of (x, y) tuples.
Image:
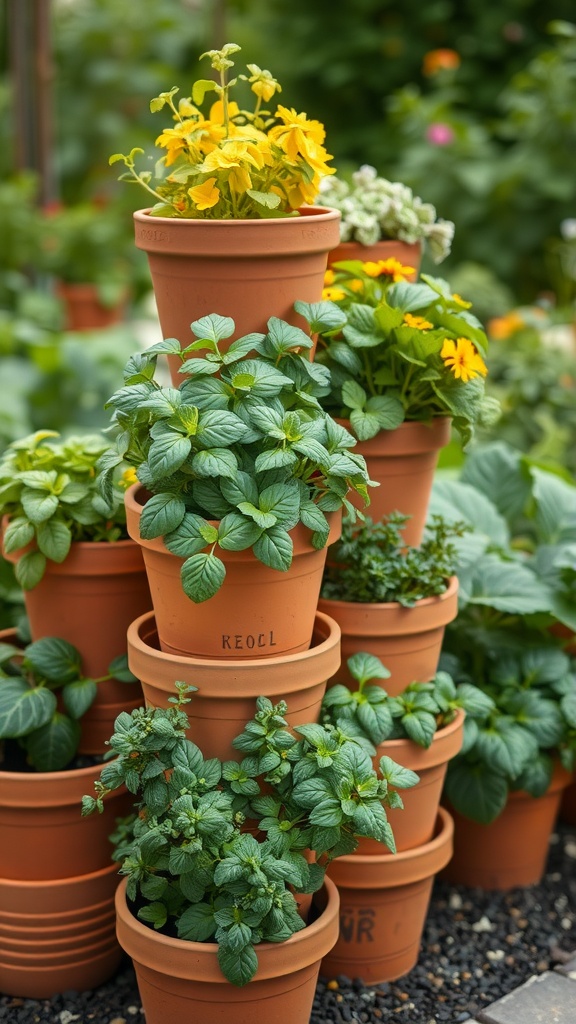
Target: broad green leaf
[(283, 500), (282, 337), (202, 576), (507, 586), (192, 535), (168, 453), (396, 775), (420, 727), (163, 403), (476, 791), (274, 548), (353, 395), (555, 507), (213, 327), (387, 409), (197, 923), (236, 533), (237, 966), (79, 696), (22, 708), (161, 514), (155, 913), (363, 666), (38, 505), (268, 199), (30, 569), (215, 462), (55, 659), (199, 89), (460, 501), (495, 471), (409, 296), (54, 539), (18, 533), (322, 317), (262, 519), (219, 429), (52, 746)]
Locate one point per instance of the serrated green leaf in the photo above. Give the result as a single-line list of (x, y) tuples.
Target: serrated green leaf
[(23, 708), (54, 539), (55, 659), (18, 534), (202, 576), (274, 548)]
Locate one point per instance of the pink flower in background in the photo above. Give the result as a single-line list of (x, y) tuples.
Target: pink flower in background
[(439, 134)]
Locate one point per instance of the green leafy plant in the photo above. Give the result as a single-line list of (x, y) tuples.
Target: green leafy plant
[(374, 208), (49, 493), (408, 351), (372, 564), (192, 871), (243, 441), (369, 713), (43, 695), (233, 163)]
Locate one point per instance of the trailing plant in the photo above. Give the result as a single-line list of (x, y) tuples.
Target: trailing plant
[(49, 492), (408, 351), (239, 453), (372, 564), (192, 870), (234, 163), (369, 713), (374, 208), (43, 695)]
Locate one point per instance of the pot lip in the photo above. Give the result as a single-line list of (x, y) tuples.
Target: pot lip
[(52, 885), (386, 870), (37, 790), (264, 674), (88, 557), (411, 437), (394, 607), (385, 240), (318, 213), (301, 949), (440, 750)]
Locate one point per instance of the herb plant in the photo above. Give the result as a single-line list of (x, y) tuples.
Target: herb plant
[(48, 491), (374, 208), (232, 163), (43, 695), (239, 453), (372, 564), (416, 714), (408, 351), (192, 871)]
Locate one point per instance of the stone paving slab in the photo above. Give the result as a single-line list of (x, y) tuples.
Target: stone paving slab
[(548, 998)]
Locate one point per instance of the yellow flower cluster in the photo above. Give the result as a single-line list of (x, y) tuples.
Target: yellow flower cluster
[(462, 359)]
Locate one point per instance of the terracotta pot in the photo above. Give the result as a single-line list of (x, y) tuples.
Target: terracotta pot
[(227, 689), (383, 906), (403, 462), (249, 270), (182, 981), (414, 824), (409, 254), (51, 961), (43, 833), (257, 613), (83, 309), (568, 803), (407, 640), (89, 600), (512, 850)]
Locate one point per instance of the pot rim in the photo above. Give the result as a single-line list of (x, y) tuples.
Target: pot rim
[(390, 618), (388, 871), (87, 557), (446, 743), (322, 213), (198, 960), (27, 790)]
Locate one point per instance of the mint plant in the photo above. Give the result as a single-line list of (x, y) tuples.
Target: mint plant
[(370, 715), (239, 453), (372, 564), (192, 870), (49, 492), (43, 695)]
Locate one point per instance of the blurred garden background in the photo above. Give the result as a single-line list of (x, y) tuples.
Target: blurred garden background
[(471, 104)]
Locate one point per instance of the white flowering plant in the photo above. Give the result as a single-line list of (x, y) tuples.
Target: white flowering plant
[(374, 209)]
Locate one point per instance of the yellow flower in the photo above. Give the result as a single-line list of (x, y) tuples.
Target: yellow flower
[(329, 277), (217, 111), (356, 284), (461, 302), (205, 196), (298, 136), (262, 83), (389, 268), (462, 358), (129, 477), (333, 294), (417, 321)]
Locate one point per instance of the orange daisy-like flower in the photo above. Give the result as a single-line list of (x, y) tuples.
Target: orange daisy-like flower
[(462, 359), (388, 268), (440, 60), (502, 327), (417, 321)]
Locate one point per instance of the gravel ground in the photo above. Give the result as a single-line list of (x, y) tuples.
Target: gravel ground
[(477, 947)]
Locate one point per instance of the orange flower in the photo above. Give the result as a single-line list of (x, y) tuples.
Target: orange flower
[(502, 327), (440, 60), (461, 357), (388, 268)]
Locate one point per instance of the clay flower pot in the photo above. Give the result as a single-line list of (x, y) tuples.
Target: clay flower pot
[(83, 309), (409, 254), (414, 824), (89, 600), (511, 850), (181, 981), (249, 270), (403, 462), (568, 803), (227, 689), (58, 934), (383, 905), (257, 613), (407, 640)]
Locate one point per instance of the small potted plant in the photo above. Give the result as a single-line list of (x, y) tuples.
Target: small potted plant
[(516, 585), (87, 250), (83, 578), (217, 852), (383, 219), (56, 880), (407, 365), (392, 600), (232, 227), (243, 477)]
